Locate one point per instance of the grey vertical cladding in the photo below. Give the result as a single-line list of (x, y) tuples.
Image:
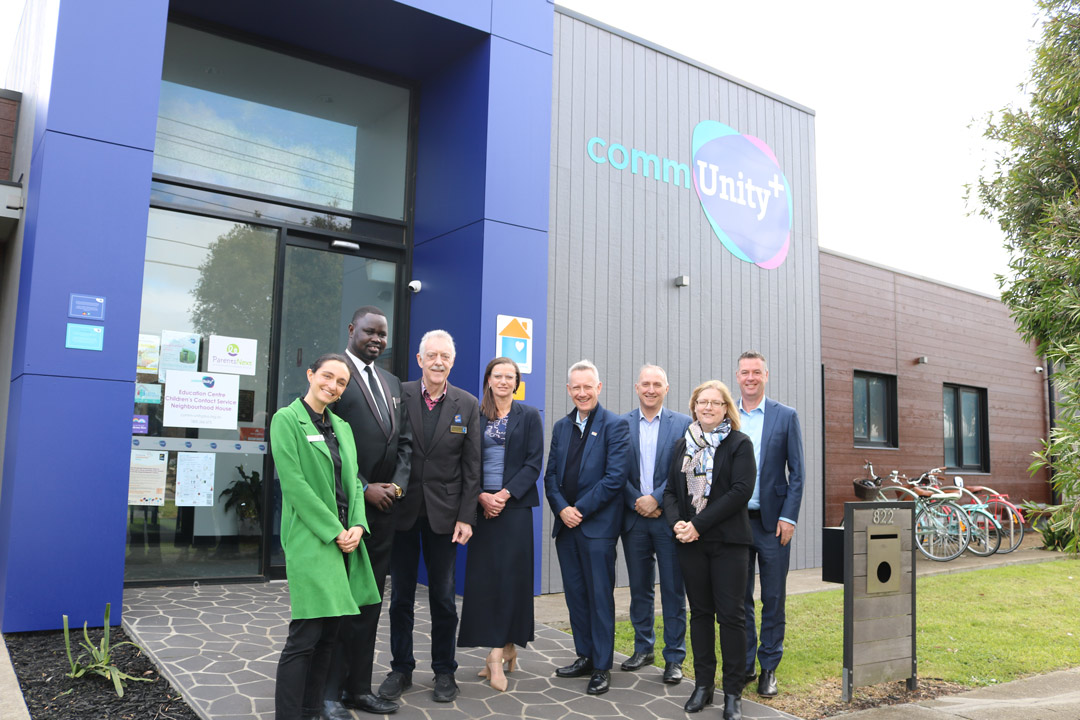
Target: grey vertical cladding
[(620, 238)]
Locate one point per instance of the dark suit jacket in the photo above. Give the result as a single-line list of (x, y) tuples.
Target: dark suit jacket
[(725, 516), (447, 472), (524, 455), (672, 427), (383, 454), (602, 475), (781, 458)]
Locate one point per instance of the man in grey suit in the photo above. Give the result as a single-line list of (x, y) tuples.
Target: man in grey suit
[(372, 406), (647, 539)]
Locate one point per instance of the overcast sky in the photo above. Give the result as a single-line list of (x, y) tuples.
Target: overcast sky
[(895, 88)]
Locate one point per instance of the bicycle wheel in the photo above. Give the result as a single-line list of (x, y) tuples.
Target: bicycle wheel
[(942, 530), (1010, 524), (985, 535)]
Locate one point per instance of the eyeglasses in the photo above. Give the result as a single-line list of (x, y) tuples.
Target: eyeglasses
[(710, 403)]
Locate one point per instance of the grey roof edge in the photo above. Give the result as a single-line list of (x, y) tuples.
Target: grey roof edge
[(906, 273), (683, 58), (10, 95)]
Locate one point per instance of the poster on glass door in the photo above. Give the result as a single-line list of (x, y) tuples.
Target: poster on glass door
[(201, 400)]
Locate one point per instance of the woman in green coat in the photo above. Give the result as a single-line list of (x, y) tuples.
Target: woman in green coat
[(322, 522)]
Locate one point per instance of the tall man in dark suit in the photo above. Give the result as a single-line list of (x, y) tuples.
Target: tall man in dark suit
[(648, 541), (437, 514), (774, 511), (371, 404), (584, 480)]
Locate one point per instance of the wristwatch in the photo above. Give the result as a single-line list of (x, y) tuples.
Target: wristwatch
[(397, 491)]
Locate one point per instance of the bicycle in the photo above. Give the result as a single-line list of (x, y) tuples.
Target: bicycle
[(985, 529), (942, 528)]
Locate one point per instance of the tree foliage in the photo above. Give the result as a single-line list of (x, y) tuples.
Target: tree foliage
[(1032, 193)]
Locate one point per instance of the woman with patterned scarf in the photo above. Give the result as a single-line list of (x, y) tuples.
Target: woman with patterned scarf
[(710, 481)]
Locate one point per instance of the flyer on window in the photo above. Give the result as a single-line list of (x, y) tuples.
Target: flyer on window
[(146, 477), (201, 400), (195, 479), (179, 351), (149, 353)]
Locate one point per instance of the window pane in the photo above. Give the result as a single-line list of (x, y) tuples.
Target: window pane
[(971, 427), (859, 409), (244, 117), (195, 490), (878, 409), (949, 397)]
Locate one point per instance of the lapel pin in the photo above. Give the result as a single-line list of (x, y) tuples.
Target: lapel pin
[(457, 418), (593, 433)]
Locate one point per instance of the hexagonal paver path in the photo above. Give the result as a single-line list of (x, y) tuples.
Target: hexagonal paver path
[(219, 645)]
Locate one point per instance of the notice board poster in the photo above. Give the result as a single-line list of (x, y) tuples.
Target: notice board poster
[(146, 477), (195, 479), (201, 400)]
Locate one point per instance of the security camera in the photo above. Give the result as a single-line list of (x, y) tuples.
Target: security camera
[(414, 286), (1039, 369)]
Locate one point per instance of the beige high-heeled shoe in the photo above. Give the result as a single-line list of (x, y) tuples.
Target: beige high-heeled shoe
[(493, 670), (510, 657)]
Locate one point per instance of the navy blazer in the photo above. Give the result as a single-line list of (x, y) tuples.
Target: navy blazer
[(602, 475), (524, 455), (780, 458), (724, 517), (672, 427)]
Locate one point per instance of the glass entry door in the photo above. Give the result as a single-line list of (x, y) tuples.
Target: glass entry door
[(322, 289), (198, 438)]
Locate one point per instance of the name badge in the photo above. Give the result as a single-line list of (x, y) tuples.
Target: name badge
[(315, 438), (459, 429)]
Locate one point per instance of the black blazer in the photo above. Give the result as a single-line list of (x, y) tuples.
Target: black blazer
[(383, 454), (524, 456), (725, 517), (448, 471)]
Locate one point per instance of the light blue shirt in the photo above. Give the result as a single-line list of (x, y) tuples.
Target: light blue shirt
[(648, 435), (753, 423)]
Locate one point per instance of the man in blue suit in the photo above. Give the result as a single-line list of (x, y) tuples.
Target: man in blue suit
[(584, 480), (774, 511), (648, 541)]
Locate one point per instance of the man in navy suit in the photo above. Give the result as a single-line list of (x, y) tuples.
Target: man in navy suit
[(585, 475), (774, 511), (648, 541)]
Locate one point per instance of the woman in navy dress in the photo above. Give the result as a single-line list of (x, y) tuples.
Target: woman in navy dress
[(497, 605)]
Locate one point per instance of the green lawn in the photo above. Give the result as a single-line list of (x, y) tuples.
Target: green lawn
[(975, 628)]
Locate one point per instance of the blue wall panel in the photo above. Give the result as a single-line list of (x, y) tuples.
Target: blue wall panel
[(474, 13), (87, 234), (452, 147), (527, 23), (519, 136), (450, 269), (107, 69), (64, 504)]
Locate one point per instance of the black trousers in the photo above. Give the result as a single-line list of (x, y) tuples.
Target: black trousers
[(303, 667), (715, 577), (354, 658)]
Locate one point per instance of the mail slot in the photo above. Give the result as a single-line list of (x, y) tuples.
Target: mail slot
[(882, 559)]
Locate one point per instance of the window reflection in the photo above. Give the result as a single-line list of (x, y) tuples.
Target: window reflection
[(244, 117)]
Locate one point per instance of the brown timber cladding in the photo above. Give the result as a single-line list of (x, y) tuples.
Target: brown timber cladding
[(878, 320), (9, 111)]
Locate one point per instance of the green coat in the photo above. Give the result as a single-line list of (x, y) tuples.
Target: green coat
[(318, 584)]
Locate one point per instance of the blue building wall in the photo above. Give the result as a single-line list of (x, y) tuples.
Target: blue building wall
[(67, 447), (481, 215)]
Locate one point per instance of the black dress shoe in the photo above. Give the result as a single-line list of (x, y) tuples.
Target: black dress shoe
[(766, 686), (672, 673), (333, 710), (750, 677), (638, 660), (369, 703), (579, 668), (701, 697), (445, 688), (394, 684), (599, 683), (732, 706)]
